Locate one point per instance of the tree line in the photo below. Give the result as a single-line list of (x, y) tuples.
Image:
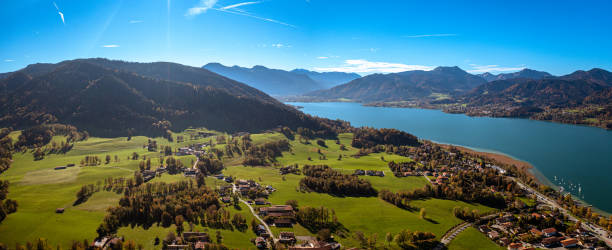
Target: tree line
[(323, 179)]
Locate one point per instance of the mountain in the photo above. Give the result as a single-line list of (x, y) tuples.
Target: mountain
[(328, 79), (599, 76), (525, 73), (110, 98), (564, 91), (404, 85), (274, 82)]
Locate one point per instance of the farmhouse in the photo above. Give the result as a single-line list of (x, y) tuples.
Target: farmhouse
[(284, 210), (287, 237), (283, 222)]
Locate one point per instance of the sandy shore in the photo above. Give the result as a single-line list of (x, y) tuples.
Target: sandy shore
[(494, 156)]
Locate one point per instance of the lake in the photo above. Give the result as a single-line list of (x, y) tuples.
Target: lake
[(577, 158)]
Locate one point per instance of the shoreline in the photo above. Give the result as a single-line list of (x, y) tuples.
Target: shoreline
[(524, 165)]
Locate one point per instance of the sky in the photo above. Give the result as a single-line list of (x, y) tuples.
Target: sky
[(352, 36)]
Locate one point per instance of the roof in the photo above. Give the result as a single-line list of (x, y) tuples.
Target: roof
[(549, 230), (515, 245), (282, 221), (569, 242)]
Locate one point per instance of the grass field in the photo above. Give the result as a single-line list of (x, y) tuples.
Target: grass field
[(472, 239), (39, 190)]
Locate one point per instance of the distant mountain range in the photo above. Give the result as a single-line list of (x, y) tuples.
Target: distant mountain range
[(278, 82), (525, 73), (110, 98), (568, 90), (441, 81), (452, 84)]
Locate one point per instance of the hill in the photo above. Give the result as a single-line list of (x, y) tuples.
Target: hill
[(115, 98), (525, 73), (328, 79), (275, 82), (568, 90), (404, 86)]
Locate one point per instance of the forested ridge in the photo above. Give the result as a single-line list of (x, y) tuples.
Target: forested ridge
[(114, 98)]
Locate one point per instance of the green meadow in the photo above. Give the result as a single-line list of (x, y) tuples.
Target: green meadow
[(39, 190)]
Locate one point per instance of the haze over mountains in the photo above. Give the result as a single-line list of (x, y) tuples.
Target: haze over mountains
[(110, 98), (278, 82)]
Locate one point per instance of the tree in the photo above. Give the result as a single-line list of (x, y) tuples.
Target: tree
[(179, 220), (201, 180), (292, 203), (423, 213), (219, 237), (108, 159), (324, 234), (389, 238), (138, 178)]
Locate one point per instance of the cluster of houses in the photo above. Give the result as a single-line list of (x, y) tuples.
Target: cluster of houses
[(194, 149), (278, 215), (369, 172), (505, 229), (292, 241), (222, 177)]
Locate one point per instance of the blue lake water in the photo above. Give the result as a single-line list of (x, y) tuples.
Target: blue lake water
[(573, 157)]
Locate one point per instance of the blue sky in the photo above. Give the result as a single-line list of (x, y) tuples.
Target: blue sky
[(360, 36)]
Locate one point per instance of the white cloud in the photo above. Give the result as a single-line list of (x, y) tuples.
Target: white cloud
[(280, 45), (365, 66), (202, 7), (136, 21), (238, 5), (110, 46), (9, 60), (60, 13), (323, 57), (492, 68), (430, 35)]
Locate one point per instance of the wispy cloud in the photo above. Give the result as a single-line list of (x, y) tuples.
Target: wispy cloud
[(492, 68), (205, 5), (238, 5), (9, 60), (202, 7), (244, 13), (110, 46), (136, 21), (429, 35), (326, 57), (280, 45), (367, 67), (60, 13)]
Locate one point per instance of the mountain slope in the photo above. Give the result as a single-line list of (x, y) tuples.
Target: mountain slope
[(568, 90), (110, 100), (404, 86), (328, 79), (271, 81), (525, 73)]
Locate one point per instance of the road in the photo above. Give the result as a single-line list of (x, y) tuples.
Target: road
[(598, 231), (234, 189), (451, 234)]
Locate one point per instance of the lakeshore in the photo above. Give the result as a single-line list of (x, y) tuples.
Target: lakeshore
[(577, 155)]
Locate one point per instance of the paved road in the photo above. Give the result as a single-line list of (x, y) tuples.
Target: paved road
[(234, 189), (598, 231), (451, 234)]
